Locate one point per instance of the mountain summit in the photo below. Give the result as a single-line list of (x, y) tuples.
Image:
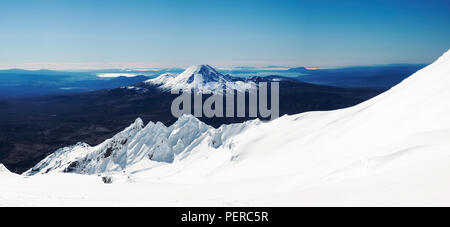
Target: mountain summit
[(199, 78), (203, 73)]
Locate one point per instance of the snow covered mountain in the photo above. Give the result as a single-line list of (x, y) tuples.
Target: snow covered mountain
[(202, 78), (136, 143), (391, 150)]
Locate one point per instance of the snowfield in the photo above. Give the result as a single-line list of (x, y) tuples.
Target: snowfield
[(393, 150)]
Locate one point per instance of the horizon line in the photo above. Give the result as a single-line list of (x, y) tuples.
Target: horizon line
[(156, 68)]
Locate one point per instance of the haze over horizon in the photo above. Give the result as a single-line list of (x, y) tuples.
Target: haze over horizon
[(63, 35)]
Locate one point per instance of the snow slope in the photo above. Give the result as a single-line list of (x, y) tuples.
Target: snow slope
[(162, 79), (4, 172), (203, 78), (3, 169), (393, 150)]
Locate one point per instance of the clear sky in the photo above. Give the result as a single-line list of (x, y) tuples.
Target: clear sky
[(162, 33)]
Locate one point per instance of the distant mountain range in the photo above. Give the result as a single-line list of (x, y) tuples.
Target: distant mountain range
[(18, 83), (23, 83), (381, 76)]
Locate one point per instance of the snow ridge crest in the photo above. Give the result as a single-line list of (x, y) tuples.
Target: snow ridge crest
[(153, 142)]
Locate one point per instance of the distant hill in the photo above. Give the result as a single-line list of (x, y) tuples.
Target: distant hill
[(382, 77), (299, 69), (18, 83)]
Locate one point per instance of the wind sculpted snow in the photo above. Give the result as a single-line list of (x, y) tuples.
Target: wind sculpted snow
[(154, 142)]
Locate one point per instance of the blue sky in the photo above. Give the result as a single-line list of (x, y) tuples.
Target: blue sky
[(163, 33)]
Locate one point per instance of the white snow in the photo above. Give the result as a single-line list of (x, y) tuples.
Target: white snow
[(5, 173), (201, 78), (110, 155), (154, 142), (393, 150), (3, 169), (162, 79)]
